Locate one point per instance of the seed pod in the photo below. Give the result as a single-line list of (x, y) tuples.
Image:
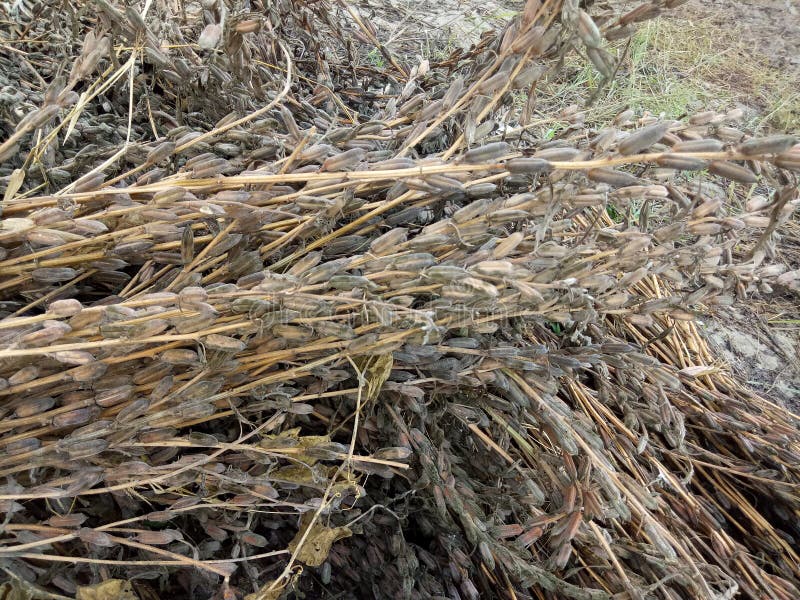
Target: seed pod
[(223, 343), (88, 372), (37, 118), (325, 271), (757, 221), (22, 445), (64, 308), (413, 262), (292, 333), (73, 418), (89, 182), (612, 177), (471, 210), (95, 538), (443, 183), (789, 160), (531, 39), (774, 144), (682, 163), (46, 335), (254, 539), (193, 297), (641, 139), (210, 36), (113, 396), (488, 152), (162, 388), (706, 208), (480, 190), (705, 228), (133, 249), (160, 152), (506, 215), (248, 26), (557, 154), (388, 242), (588, 31), (344, 161), (393, 164), (24, 375), (86, 448), (496, 268), (33, 406), (210, 168), (135, 409), (479, 286), (349, 282), (602, 61), (68, 521), (179, 356), (169, 196), (340, 331), (453, 93), (528, 166), (732, 171), (53, 274), (156, 538)]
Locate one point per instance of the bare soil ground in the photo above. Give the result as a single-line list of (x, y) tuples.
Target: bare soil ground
[(772, 27)]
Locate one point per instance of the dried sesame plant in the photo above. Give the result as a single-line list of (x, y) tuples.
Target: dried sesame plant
[(276, 320)]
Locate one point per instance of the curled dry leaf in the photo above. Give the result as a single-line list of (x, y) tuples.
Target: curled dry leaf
[(317, 544), (111, 589)]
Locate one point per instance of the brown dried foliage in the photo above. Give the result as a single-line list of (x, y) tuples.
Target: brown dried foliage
[(354, 305)]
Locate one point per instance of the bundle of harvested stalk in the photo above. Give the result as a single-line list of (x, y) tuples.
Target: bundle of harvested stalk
[(367, 335)]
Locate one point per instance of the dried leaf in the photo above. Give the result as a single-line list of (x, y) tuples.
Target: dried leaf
[(112, 589), (318, 542)]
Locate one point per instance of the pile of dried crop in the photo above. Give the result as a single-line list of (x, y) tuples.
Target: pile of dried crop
[(276, 320)]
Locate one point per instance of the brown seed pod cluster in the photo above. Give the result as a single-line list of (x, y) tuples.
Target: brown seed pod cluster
[(354, 326)]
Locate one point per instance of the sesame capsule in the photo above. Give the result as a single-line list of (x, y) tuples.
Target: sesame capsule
[(344, 161), (33, 406), (681, 163), (24, 375), (114, 396), (732, 171), (471, 210), (557, 154), (95, 538), (488, 152), (774, 144), (707, 145), (788, 160), (80, 416), (68, 521), (86, 448), (223, 343), (155, 538), (388, 242), (528, 166), (64, 308), (53, 274), (612, 177), (643, 138), (135, 409)]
